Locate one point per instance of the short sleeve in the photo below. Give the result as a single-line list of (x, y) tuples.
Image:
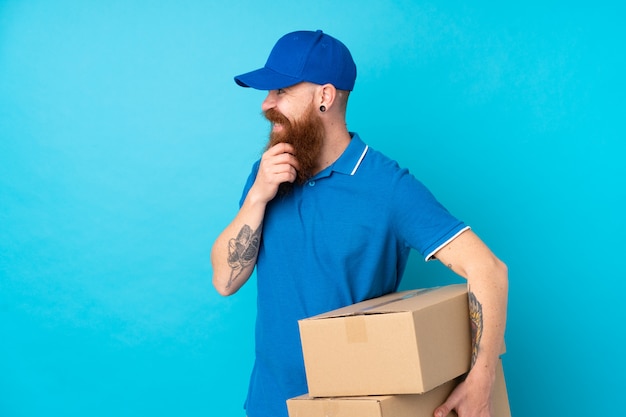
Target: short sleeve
[(421, 221), (249, 182)]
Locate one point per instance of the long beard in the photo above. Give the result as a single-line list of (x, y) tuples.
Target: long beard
[(305, 135)]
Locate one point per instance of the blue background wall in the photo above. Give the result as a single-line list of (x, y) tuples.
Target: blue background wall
[(124, 144)]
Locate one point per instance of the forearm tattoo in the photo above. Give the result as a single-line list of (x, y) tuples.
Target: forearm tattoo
[(242, 251), (476, 318)]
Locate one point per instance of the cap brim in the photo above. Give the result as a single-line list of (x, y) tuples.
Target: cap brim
[(265, 79)]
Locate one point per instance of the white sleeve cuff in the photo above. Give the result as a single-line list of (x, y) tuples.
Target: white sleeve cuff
[(432, 254)]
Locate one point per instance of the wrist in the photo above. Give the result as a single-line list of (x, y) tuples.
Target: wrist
[(483, 370)]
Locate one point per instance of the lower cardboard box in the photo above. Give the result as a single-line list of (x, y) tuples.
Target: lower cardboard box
[(404, 405)]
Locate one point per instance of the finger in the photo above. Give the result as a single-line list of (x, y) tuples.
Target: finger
[(279, 164), (442, 411), (284, 158), (285, 167), (282, 147), (278, 173), (280, 153), (287, 177)]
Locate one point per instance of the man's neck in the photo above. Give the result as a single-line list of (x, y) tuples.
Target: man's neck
[(335, 143)]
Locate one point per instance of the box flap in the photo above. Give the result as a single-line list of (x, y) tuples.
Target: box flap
[(403, 301), (305, 406), (377, 398)]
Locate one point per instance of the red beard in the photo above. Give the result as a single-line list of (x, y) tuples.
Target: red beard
[(305, 135)]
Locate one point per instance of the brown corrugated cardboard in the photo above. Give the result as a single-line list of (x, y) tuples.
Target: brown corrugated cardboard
[(402, 343), (412, 405), (421, 405), (501, 407)]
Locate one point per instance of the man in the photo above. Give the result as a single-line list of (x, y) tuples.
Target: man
[(328, 221)]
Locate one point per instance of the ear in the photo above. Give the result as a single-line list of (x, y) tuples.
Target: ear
[(327, 95)]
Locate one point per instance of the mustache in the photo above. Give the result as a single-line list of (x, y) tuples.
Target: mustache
[(275, 116)]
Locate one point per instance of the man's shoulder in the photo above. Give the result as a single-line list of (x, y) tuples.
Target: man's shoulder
[(380, 163)]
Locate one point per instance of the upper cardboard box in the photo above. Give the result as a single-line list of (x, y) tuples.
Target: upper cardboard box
[(402, 343), (398, 302)]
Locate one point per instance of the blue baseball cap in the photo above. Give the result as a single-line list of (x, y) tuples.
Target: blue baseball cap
[(304, 56)]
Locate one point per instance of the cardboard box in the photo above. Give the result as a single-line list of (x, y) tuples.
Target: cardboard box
[(403, 343), (417, 405), (412, 405), (501, 406)]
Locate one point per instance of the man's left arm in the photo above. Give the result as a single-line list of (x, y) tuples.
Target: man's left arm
[(487, 279)]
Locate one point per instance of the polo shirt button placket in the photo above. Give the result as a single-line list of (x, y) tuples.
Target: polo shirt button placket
[(311, 183)]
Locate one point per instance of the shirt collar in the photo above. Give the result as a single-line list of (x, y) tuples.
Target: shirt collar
[(350, 160)]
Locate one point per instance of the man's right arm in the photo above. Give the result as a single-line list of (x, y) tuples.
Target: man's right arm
[(235, 250)]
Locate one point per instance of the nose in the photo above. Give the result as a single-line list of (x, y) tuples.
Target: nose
[(269, 101)]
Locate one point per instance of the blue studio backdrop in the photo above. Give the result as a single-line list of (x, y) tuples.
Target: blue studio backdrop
[(124, 144)]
